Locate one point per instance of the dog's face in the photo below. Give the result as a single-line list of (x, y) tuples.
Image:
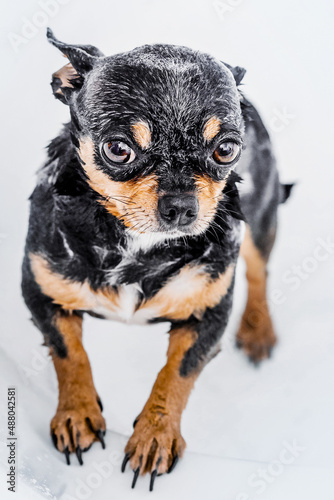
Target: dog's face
[(158, 130)]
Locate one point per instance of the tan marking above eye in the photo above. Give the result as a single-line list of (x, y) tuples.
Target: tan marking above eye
[(142, 134), (211, 128)]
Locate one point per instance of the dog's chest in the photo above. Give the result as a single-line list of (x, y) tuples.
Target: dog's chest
[(127, 302), (188, 292), (176, 296), (139, 290), (124, 306)]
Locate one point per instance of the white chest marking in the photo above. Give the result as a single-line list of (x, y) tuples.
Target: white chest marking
[(125, 310)]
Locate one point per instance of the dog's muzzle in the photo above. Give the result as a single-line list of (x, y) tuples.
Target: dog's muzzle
[(178, 211)]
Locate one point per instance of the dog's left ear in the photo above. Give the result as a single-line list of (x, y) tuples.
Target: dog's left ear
[(237, 71), (70, 77)]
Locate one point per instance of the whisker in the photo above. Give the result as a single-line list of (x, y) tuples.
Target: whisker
[(117, 198)]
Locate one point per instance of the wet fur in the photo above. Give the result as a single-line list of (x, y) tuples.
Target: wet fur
[(178, 104)]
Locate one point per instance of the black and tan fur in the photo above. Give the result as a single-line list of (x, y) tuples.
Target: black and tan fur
[(101, 242)]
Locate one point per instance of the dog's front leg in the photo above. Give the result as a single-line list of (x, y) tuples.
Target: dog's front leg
[(156, 443), (78, 421)]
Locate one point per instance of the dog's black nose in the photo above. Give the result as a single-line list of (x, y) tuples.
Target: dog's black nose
[(178, 210)]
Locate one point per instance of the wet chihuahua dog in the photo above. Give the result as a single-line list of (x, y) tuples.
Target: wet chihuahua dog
[(136, 217)]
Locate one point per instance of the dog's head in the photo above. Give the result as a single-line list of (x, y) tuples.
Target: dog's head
[(158, 130)]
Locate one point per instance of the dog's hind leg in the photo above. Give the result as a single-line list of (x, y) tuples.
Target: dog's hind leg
[(261, 195), (256, 334)]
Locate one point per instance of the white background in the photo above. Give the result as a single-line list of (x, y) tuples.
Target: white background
[(239, 419)]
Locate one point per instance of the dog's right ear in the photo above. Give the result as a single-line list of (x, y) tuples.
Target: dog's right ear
[(237, 71), (70, 77)]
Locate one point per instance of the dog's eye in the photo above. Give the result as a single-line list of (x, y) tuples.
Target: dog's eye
[(226, 152), (118, 152)]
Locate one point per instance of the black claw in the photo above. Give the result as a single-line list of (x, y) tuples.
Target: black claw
[(255, 362), (78, 452), (173, 464), (70, 431), (99, 434), (135, 422), (135, 477), (153, 476), (54, 439), (125, 461), (99, 402), (67, 455), (87, 447)]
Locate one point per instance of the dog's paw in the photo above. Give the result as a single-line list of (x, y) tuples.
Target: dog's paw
[(75, 430), (257, 339), (154, 447)]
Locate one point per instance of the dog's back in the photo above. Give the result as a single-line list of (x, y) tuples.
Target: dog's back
[(260, 190)]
